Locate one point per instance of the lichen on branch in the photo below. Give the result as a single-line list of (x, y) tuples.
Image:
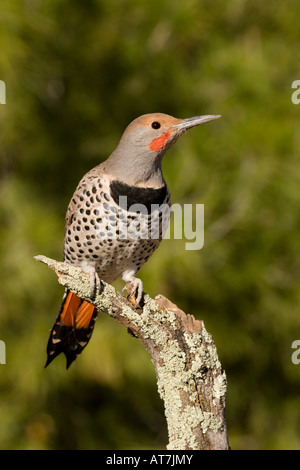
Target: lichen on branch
[(190, 378)]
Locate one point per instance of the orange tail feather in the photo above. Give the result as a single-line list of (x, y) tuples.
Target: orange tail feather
[(72, 329)]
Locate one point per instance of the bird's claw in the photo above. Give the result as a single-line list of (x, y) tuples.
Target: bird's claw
[(95, 281), (135, 291)]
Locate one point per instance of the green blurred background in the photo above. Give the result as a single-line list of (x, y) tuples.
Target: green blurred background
[(76, 73)]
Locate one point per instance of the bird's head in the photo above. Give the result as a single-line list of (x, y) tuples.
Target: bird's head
[(157, 132), (137, 159)]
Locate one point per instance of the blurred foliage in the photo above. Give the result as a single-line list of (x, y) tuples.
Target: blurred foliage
[(76, 74)]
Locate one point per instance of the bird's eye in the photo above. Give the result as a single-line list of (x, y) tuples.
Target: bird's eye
[(155, 125)]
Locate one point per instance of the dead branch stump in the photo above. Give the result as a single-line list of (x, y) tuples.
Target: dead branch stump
[(190, 378)]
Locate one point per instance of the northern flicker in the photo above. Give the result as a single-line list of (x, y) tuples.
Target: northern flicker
[(115, 221)]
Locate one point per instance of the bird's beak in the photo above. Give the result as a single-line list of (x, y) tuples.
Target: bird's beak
[(188, 123)]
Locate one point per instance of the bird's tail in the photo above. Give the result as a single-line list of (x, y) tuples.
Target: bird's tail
[(72, 329)]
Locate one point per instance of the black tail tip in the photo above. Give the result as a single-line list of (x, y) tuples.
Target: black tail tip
[(70, 357), (50, 359)]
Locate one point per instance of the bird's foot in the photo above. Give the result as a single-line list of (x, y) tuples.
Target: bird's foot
[(135, 290), (95, 282)]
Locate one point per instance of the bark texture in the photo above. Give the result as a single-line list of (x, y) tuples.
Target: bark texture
[(190, 378)]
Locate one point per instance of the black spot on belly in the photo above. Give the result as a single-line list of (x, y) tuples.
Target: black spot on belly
[(135, 195)]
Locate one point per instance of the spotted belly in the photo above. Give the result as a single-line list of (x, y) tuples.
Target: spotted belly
[(104, 232)]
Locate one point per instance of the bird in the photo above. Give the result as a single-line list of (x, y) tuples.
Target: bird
[(115, 221)]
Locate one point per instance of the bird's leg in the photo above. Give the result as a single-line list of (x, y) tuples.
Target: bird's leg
[(95, 282), (137, 286)]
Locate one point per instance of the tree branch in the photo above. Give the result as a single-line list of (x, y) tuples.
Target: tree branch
[(190, 378)]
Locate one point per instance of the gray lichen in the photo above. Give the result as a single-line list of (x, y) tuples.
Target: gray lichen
[(173, 379), (220, 386), (181, 358)]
